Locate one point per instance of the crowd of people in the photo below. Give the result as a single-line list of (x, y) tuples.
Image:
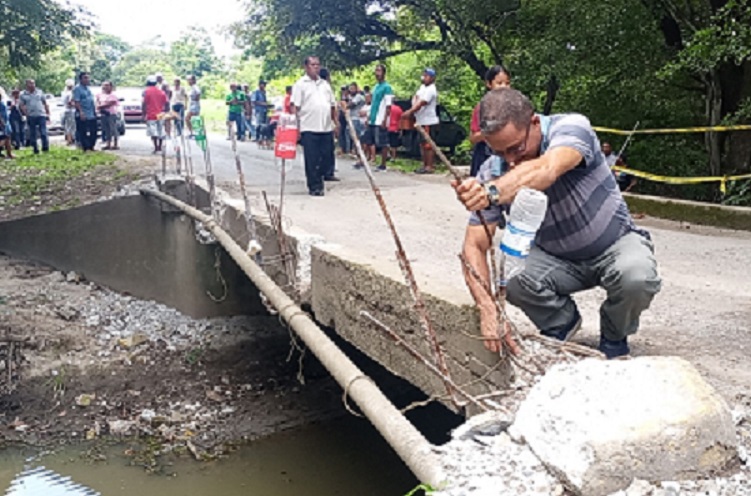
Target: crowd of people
[(374, 116)]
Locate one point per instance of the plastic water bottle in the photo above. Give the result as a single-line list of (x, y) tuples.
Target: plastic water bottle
[(527, 213)]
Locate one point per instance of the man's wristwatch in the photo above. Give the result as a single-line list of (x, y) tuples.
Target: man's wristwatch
[(494, 195)]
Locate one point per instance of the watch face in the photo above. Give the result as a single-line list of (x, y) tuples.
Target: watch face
[(493, 194)]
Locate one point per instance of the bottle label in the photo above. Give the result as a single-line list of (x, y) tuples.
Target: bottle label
[(517, 242)]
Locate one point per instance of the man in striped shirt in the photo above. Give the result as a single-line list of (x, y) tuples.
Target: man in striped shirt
[(587, 238)]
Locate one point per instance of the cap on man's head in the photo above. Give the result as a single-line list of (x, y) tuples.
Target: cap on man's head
[(430, 72), (261, 82), (151, 80)]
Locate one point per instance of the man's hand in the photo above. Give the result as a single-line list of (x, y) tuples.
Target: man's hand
[(489, 326), (471, 193)]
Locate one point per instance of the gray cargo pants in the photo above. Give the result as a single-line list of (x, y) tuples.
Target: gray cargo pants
[(627, 271)]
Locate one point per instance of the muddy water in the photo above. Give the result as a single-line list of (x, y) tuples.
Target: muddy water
[(341, 457)]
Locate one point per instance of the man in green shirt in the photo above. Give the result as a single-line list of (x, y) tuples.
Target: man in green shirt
[(380, 112), (236, 106)]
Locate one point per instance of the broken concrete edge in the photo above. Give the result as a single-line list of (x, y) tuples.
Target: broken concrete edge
[(701, 213), (407, 441), (339, 284)]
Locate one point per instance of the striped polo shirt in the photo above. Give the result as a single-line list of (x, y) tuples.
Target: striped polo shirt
[(586, 211)]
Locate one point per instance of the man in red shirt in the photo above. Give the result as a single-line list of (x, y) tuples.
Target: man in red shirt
[(154, 101), (395, 130)]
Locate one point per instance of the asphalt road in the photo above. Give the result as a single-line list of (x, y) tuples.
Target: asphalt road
[(262, 170)]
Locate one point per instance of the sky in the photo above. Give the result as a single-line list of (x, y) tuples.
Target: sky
[(136, 21)]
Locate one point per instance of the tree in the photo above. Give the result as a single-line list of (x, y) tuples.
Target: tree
[(139, 64), (32, 28), (193, 53), (712, 41), (358, 32)]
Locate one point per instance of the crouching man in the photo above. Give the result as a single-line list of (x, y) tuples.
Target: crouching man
[(587, 238)]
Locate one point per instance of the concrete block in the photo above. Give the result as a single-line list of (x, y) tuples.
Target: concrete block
[(174, 186), (598, 425), (342, 288)]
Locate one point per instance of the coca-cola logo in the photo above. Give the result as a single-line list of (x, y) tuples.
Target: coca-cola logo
[(286, 147)]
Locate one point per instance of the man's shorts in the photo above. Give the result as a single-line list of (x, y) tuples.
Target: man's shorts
[(367, 137), (395, 139), (195, 108), (155, 129), (380, 136), (432, 131)]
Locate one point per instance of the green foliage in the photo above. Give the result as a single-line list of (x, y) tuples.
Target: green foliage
[(33, 175), (421, 489), (32, 28), (725, 38), (138, 64), (739, 194), (193, 53), (359, 32)]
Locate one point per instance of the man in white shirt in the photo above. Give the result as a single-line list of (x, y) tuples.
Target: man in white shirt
[(314, 105), (425, 110)]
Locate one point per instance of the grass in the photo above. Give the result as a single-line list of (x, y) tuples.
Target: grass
[(214, 115), (409, 165), (31, 175), (708, 215)]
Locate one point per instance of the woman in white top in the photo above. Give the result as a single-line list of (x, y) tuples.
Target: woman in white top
[(179, 100)]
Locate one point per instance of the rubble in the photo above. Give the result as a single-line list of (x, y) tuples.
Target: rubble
[(599, 424), (93, 363), (482, 459)]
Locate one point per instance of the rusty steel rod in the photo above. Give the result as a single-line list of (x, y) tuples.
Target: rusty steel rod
[(406, 267), (419, 356), (495, 269), (249, 225)]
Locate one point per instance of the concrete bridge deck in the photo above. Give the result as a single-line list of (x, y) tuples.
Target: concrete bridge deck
[(702, 313)]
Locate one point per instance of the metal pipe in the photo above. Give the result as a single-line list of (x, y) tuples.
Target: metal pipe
[(404, 438)]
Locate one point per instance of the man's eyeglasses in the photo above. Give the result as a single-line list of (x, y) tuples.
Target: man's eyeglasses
[(515, 150)]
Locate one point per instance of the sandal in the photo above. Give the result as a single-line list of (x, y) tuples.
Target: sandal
[(423, 170)]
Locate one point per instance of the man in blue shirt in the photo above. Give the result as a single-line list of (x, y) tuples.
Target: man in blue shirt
[(83, 100), (260, 112)]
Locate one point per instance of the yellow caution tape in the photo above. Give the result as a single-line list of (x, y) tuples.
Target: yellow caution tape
[(682, 180), (739, 127)]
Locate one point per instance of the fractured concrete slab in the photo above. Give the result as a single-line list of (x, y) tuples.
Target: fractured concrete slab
[(600, 424)]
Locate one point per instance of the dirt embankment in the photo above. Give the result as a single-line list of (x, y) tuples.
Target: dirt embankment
[(38, 184), (81, 362)]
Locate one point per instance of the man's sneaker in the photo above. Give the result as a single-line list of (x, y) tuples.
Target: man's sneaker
[(566, 332), (614, 349), (331, 179), (381, 168)]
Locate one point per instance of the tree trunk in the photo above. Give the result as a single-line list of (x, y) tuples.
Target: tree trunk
[(552, 91), (737, 88), (714, 117)]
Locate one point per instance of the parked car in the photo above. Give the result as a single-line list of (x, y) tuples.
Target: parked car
[(449, 134), (130, 104), (57, 112)]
